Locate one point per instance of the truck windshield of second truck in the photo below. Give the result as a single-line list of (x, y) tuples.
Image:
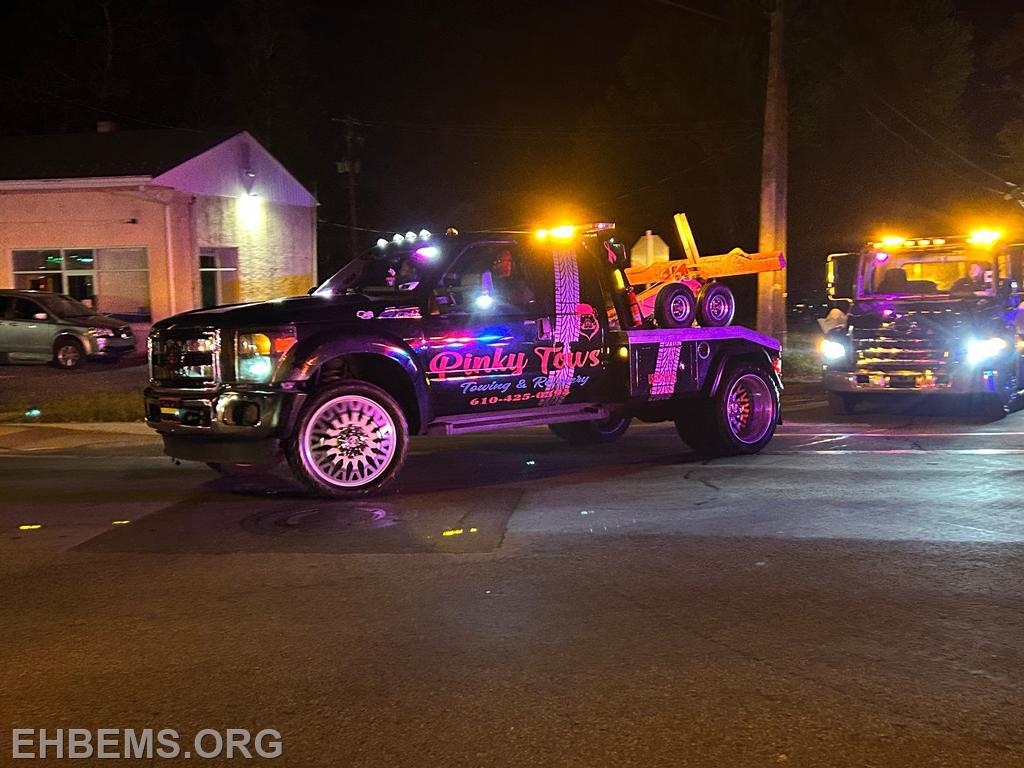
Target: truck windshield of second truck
[(914, 274)]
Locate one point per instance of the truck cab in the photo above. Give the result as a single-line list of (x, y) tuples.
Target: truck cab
[(449, 334), (937, 316)]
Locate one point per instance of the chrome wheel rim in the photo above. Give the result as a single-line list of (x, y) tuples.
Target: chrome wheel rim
[(349, 441), (718, 307), (679, 308), (68, 355), (750, 408)]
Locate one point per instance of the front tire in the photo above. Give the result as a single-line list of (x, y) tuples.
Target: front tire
[(591, 432), (351, 440), (68, 354), (740, 418), (842, 403)]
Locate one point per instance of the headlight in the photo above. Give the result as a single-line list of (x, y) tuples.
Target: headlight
[(257, 354), (979, 350), (832, 350), (100, 332)]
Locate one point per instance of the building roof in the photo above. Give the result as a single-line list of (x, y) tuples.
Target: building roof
[(99, 155)]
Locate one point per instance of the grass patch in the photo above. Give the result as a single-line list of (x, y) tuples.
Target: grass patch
[(800, 358), (98, 406)]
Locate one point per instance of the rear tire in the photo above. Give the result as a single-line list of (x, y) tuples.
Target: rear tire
[(240, 470), (591, 432), (740, 418), (716, 306), (842, 403), (350, 441), (675, 306)]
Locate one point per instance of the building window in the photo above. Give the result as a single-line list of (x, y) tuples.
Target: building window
[(115, 281), (218, 276)]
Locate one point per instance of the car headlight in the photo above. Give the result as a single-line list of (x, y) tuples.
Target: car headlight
[(100, 332), (832, 350), (258, 353), (980, 350)]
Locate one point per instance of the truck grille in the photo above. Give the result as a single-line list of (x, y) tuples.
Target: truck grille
[(186, 358), (892, 347)]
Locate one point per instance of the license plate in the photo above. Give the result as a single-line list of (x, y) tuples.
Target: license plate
[(170, 410)]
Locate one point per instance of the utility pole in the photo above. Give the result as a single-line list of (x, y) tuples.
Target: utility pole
[(350, 165), (771, 286)]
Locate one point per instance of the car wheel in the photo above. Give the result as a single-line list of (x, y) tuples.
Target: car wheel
[(993, 407), (716, 306), (592, 432), (675, 306), (68, 353), (350, 440), (842, 403), (740, 418), (240, 470)]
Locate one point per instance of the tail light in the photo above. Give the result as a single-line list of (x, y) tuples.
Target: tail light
[(777, 365)]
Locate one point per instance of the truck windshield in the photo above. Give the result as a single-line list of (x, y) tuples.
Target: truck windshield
[(376, 273), (912, 273)]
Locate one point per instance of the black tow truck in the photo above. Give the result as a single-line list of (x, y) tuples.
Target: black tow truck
[(450, 334), (927, 316)]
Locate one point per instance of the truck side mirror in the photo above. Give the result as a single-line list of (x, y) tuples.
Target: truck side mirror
[(841, 275)]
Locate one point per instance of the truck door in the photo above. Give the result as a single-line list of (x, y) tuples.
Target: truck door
[(573, 356), (483, 342)]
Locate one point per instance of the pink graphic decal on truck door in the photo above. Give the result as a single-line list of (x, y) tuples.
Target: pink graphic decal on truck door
[(567, 320)]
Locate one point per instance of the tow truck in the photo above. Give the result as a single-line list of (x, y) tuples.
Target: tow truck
[(450, 334), (935, 316)]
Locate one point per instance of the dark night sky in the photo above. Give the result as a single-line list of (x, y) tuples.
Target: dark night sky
[(470, 111)]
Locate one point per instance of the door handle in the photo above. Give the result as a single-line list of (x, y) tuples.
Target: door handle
[(544, 329)]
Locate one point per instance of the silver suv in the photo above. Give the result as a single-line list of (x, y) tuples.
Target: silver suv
[(38, 326)]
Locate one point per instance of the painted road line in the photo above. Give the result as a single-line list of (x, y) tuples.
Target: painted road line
[(890, 433), (824, 440), (911, 451)]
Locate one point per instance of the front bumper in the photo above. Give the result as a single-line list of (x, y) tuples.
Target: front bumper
[(229, 425), (109, 347), (957, 382)]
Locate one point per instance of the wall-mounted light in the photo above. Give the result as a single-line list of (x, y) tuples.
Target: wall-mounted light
[(250, 210)]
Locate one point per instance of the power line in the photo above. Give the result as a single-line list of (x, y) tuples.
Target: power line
[(662, 130), (695, 11), (101, 110)]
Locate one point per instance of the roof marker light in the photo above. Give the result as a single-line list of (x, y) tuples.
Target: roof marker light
[(397, 239), (939, 241), (381, 242), (892, 241), (563, 232), (424, 234), (410, 235)]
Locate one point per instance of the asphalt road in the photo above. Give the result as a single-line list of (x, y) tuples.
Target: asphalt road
[(851, 597)]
